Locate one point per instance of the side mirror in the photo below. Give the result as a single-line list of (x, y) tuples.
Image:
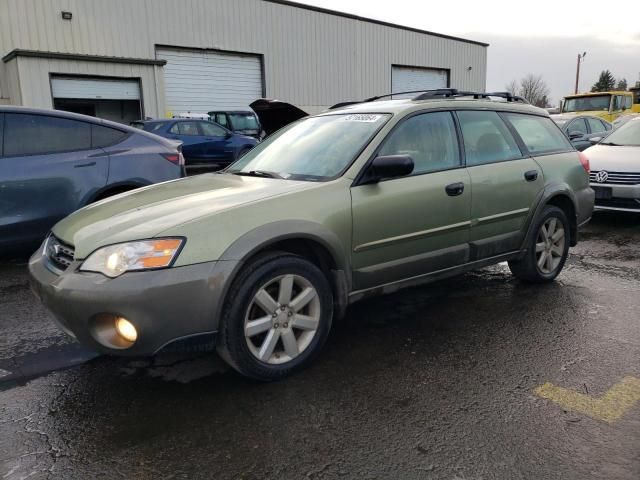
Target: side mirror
[(228, 134), (388, 166), (575, 135), (594, 140)]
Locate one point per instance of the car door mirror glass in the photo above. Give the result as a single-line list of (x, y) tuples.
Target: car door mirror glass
[(388, 166)]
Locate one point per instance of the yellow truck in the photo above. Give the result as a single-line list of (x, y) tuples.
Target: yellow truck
[(606, 105)]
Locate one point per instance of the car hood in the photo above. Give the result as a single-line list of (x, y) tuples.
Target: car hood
[(274, 114), (148, 211), (614, 159)]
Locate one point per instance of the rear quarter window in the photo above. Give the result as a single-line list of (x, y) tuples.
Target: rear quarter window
[(105, 136), (539, 134)]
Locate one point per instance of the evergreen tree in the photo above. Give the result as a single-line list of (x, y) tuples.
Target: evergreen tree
[(622, 84), (605, 83)]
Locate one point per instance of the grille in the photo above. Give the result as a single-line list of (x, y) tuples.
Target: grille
[(617, 178), (59, 253), (620, 203)]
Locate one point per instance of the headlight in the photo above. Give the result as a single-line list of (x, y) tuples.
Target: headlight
[(114, 260)]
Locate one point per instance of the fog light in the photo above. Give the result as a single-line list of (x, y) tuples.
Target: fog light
[(126, 329)]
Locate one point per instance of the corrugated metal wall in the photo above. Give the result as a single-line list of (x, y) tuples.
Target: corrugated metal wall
[(311, 58)]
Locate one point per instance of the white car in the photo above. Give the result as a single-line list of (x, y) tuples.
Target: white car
[(615, 168)]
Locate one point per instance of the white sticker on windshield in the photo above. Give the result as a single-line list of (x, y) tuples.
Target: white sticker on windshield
[(362, 117)]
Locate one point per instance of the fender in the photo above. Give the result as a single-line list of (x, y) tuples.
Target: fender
[(132, 184), (263, 236), (549, 192)]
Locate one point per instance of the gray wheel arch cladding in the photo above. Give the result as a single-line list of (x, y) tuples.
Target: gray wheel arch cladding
[(260, 238), (550, 192)]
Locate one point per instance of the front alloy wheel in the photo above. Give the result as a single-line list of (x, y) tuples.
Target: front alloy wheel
[(276, 317), (282, 319)]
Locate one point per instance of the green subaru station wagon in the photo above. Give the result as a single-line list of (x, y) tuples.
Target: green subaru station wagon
[(363, 199)]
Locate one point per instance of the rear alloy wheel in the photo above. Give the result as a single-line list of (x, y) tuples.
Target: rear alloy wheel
[(547, 250), (550, 246), (276, 317)]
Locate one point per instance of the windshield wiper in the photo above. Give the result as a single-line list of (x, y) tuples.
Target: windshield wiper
[(258, 173), (611, 144)]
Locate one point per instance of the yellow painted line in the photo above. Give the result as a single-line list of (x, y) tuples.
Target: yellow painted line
[(609, 407)]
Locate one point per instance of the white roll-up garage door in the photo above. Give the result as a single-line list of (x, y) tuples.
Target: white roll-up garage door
[(407, 79), (199, 81), (95, 89)]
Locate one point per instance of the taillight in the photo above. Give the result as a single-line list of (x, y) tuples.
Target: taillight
[(584, 160), (175, 158)]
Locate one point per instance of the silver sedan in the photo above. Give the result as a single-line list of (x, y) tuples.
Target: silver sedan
[(615, 169)]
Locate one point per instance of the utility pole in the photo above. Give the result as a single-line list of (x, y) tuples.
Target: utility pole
[(580, 60)]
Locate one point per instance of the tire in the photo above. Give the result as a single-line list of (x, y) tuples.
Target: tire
[(533, 267), (267, 352)]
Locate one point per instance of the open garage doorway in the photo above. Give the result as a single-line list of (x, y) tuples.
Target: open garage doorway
[(117, 100)]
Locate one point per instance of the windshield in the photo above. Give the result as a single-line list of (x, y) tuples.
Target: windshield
[(315, 148), (586, 104), (627, 135), (243, 121)]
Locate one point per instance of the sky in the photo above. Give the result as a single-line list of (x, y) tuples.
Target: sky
[(542, 37)]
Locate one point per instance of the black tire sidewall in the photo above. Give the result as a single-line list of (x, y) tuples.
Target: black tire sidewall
[(233, 343)]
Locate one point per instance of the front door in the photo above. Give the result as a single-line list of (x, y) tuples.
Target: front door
[(505, 183), (410, 226), (218, 145)]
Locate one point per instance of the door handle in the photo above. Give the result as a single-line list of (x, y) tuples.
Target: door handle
[(90, 164), (531, 175), (454, 189)]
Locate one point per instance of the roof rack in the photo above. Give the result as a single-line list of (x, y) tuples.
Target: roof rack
[(452, 92), (440, 93)]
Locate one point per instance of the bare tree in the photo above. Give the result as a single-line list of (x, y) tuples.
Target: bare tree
[(533, 88), (512, 87)]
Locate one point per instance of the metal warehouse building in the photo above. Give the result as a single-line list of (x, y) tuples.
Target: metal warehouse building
[(128, 59)]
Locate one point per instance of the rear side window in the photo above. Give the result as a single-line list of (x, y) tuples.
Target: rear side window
[(539, 134), (104, 136), (596, 125), (429, 139), (486, 138), (40, 134), (185, 128)]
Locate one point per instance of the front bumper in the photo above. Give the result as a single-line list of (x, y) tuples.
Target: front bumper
[(624, 198), (166, 306)]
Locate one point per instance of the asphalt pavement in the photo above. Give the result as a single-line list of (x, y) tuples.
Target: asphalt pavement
[(477, 377)]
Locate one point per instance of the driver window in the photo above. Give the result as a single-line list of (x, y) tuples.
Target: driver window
[(578, 126), (429, 139)]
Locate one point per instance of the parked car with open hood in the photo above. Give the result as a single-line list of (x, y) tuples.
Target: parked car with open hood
[(262, 258), (54, 162), (615, 169)]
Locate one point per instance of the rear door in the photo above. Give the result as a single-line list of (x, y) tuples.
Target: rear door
[(48, 169), (192, 140), (410, 226), (504, 182)]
